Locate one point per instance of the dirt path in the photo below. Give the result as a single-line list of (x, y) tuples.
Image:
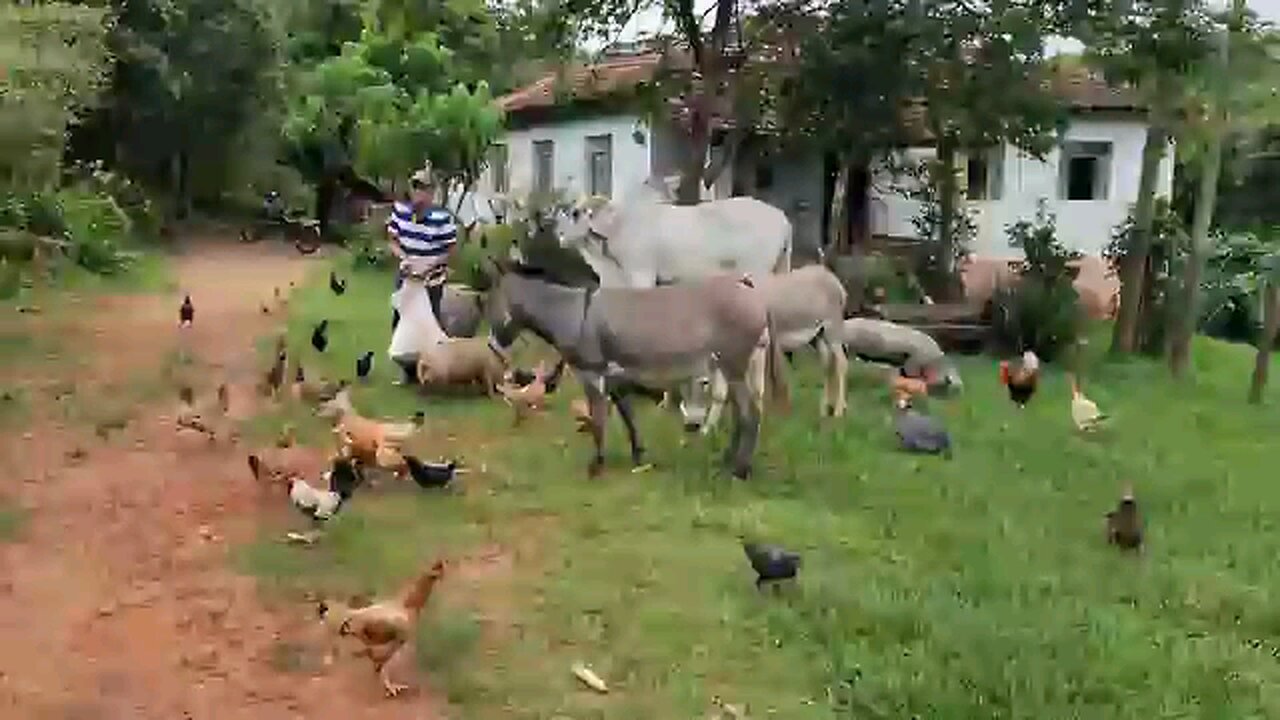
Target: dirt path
[(118, 601)]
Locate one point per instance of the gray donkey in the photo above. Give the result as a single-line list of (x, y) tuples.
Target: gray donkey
[(615, 339)]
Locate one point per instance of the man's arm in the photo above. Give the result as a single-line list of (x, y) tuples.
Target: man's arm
[(393, 238)]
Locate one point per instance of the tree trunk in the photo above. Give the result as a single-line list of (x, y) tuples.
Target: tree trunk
[(1270, 325), (710, 60), (838, 229), (1185, 315), (1134, 262), (948, 202)]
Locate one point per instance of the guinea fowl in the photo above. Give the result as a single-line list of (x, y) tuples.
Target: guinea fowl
[(1124, 524), (186, 313), (364, 364), (319, 338), (918, 432), (337, 286), (430, 475), (771, 562)]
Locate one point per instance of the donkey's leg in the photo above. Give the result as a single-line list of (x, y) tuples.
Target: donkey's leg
[(719, 395), (839, 373), (623, 403), (746, 428), (598, 403)]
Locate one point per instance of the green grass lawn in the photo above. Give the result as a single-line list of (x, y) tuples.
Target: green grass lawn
[(972, 588)]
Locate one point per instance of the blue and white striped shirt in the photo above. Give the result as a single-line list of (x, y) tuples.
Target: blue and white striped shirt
[(422, 237)]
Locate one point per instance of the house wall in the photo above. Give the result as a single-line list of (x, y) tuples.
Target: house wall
[(1083, 225), (797, 189), (631, 161)]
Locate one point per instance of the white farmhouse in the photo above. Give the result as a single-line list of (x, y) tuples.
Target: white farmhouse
[(590, 140)]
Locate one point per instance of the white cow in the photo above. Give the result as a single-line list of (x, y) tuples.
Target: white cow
[(648, 240)]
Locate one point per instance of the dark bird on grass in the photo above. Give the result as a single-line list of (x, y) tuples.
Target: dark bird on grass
[(419, 418), (186, 313), (364, 364), (430, 475), (918, 432), (771, 562), (319, 340), (1124, 524), (337, 286), (305, 248)]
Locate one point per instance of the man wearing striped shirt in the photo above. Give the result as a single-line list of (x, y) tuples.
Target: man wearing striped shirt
[(423, 236)]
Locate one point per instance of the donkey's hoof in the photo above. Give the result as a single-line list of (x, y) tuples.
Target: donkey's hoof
[(743, 472), (594, 469)]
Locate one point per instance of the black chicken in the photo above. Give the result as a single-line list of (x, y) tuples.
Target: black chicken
[(430, 475), (419, 418), (771, 563), (319, 340), (337, 286), (186, 313), (364, 364), (1124, 524)]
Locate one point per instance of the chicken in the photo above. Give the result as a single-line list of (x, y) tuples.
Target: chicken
[(1084, 412), (364, 364), (430, 475), (1021, 380), (581, 414), (387, 626), (199, 417), (319, 338), (920, 433), (528, 399), (272, 474), (771, 563), (320, 505), (905, 386), (313, 391), (1124, 524), (274, 378), (362, 437), (186, 313), (337, 286)]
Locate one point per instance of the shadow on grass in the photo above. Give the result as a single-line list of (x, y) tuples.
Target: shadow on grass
[(974, 587)]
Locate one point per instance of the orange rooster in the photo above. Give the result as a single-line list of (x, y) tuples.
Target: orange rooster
[(1021, 380), (387, 626), (366, 440)]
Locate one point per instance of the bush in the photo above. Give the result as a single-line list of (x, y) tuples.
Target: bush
[(98, 230), (145, 216), (470, 262), (368, 245), (1041, 310), (1169, 246)]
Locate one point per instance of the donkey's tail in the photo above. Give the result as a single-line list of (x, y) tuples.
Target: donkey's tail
[(773, 365)]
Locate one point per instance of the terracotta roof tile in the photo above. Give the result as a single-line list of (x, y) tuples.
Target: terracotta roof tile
[(1081, 87)]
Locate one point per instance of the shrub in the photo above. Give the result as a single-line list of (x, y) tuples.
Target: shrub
[(1169, 246), (97, 229), (1040, 310), (368, 245), (470, 262)]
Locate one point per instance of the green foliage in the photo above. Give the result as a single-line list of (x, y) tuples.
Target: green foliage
[(471, 262), (1041, 310), (98, 230), (396, 98), (192, 77), (369, 248), (53, 61), (1235, 276), (919, 182)]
